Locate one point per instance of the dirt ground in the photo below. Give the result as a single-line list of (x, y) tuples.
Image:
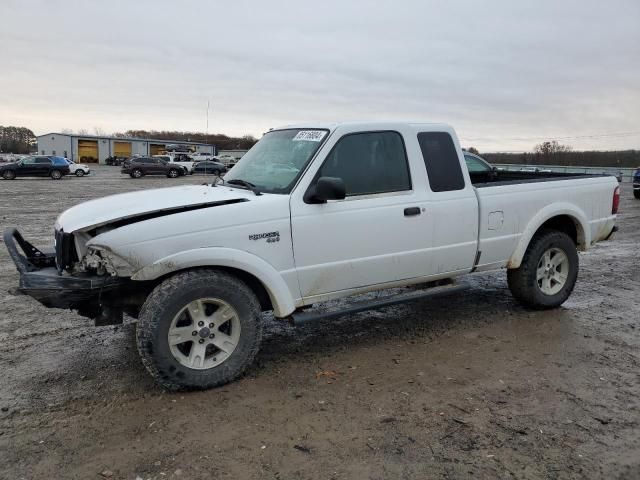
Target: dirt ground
[(468, 387)]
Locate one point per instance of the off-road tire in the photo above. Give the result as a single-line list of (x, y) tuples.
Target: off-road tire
[(522, 281), (636, 193), (79, 173), (9, 175), (136, 173), (167, 299), (55, 174)]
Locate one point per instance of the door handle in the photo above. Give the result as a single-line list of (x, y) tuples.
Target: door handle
[(408, 212)]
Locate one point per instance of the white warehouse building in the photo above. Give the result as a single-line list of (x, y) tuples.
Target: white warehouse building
[(96, 149)]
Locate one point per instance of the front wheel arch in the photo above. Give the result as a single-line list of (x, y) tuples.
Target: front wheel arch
[(253, 282)]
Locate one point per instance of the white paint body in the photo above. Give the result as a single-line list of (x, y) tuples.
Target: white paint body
[(74, 167), (342, 247)]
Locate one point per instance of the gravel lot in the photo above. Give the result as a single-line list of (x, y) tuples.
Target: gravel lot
[(472, 386)]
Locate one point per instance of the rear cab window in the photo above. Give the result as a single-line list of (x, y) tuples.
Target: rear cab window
[(441, 160)]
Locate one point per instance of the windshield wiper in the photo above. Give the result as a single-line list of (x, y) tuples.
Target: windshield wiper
[(244, 183)]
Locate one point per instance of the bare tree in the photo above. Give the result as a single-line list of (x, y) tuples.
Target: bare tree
[(83, 131), (472, 150), (548, 149), (99, 132), (67, 131)]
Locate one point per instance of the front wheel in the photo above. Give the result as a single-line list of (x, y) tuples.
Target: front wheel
[(79, 173), (8, 174), (199, 329), (136, 173), (636, 193), (548, 271), (56, 174)]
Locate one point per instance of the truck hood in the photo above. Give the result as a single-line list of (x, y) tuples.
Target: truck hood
[(129, 207)]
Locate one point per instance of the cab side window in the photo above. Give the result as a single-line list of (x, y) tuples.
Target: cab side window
[(368, 163), (441, 159)]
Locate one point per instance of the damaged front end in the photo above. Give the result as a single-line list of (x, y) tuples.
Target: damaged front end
[(57, 279)]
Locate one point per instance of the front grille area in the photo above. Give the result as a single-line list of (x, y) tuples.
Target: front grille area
[(66, 254)]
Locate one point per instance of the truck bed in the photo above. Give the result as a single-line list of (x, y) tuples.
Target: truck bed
[(505, 177)]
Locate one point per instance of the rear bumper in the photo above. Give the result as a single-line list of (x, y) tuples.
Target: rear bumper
[(40, 279)]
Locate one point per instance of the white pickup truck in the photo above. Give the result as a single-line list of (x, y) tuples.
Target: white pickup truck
[(311, 213)]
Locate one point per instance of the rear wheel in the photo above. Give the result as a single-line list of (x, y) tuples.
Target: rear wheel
[(199, 329), (136, 173), (636, 193), (548, 271), (56, 174), (8, 174), (173, 173), (79, 173)]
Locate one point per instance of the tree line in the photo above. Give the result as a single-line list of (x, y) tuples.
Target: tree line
[(221, 141), (16, 140), (553, 153)]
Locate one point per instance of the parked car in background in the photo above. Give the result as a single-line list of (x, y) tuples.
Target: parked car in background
[(636, 183), (209, 167), (35, 166), (114, 161), (138, 167), (226, 160), (476, 163), (180, 159), (201, 157), (77, 169), (535, 170)]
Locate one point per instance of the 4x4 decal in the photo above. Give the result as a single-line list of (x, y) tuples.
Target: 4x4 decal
[(270, 236)]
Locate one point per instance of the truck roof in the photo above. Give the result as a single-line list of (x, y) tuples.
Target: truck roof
[(362, 125)]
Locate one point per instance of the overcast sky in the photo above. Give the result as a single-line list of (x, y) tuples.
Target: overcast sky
[(505, 74)]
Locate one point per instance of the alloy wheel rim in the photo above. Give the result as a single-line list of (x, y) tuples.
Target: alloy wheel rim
[(552, 271), (204, 333)]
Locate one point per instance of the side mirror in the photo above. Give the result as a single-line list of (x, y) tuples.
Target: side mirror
[(326, 188)]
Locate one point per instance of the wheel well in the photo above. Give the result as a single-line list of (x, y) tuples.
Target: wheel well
[(250, 280), (254, 284), (565, 224)]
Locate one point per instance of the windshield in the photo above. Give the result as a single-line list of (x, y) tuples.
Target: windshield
[(274, 164)]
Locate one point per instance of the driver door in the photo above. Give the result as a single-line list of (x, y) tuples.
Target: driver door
[(377, 234)]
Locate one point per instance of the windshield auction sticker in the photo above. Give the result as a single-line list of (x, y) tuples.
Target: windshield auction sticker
[(309, 136)]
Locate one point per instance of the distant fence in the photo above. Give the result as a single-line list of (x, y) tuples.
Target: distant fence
[(627, 173), (617, 159)]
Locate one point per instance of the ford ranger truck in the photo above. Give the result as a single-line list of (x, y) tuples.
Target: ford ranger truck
[(311, 213)]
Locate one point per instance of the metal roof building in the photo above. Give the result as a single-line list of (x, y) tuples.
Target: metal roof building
[(96, 149)]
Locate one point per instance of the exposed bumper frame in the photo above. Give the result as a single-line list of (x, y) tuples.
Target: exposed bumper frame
[(40, 279)]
